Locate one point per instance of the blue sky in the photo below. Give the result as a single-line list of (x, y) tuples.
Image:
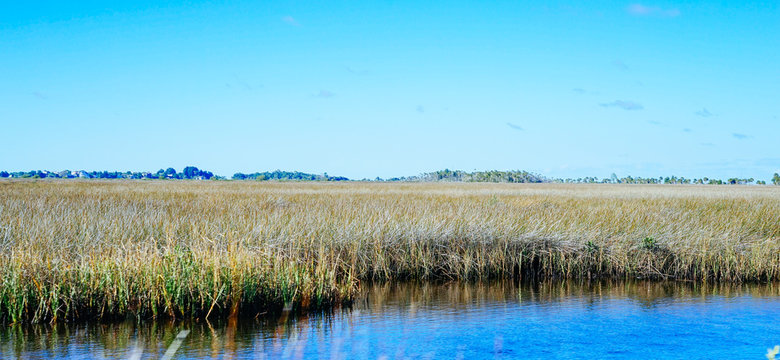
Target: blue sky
[(366, 89)]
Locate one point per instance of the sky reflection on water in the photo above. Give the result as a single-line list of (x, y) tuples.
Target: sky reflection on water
[(551, 320)]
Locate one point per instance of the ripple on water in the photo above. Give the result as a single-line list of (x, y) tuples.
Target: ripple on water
[(458, 320)]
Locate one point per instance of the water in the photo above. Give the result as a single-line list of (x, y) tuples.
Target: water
[(550, 320)]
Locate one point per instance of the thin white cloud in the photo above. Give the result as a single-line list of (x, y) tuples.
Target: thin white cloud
[(620, 65), (290, 20), (357, 71), (325, 94), (516, 127), (420, 109), (581, 91), (643, 10), (241, 83), (624, 104)]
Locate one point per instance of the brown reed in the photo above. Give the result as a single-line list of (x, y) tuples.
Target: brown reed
[(73, 249)]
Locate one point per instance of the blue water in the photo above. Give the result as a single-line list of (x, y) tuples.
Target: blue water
[(554, 320)]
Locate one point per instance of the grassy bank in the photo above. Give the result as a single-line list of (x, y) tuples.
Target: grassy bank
[(73, 249)]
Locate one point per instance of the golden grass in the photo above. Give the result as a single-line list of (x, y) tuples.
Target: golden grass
[(84, 249)]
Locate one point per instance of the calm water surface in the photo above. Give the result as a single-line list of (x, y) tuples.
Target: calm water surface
[(551, 320)]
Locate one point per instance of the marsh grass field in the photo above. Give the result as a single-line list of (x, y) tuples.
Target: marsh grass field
[(72, 250)]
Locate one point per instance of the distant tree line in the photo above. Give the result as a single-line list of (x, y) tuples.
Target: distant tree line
[(189, 172), (446, 175), (495, 176), (667, 180), (287, 175), (517, 176)]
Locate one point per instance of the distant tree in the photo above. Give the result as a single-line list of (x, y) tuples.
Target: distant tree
[(190, 172), (776, 179), (4, 174)]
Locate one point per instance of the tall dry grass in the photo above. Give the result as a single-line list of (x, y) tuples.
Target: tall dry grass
[(87, 249)]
